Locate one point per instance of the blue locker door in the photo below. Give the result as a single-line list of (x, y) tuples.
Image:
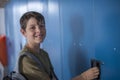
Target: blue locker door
[(77, 36), (107, 37)]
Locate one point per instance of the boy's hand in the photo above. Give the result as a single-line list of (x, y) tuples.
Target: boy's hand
[(90, 74)]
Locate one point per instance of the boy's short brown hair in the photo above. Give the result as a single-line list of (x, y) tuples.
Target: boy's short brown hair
[(31, 14)]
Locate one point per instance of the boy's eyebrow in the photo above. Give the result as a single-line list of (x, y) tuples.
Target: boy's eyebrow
[(37, 24), (41, 23)]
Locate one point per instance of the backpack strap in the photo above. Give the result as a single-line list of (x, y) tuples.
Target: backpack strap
[(30, 56)]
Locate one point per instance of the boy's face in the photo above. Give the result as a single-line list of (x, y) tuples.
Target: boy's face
[(35, 32)]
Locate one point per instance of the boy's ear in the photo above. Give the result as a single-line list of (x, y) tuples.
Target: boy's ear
[(23, 32)]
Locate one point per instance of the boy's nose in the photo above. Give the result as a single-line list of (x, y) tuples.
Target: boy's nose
[(38, 29)]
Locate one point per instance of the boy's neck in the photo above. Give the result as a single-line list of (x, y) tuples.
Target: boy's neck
[(34, 48)]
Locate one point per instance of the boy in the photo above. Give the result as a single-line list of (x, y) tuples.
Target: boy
[(33, 29)]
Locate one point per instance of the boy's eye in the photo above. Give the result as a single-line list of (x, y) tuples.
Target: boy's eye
[(32, 27), (42, 25)]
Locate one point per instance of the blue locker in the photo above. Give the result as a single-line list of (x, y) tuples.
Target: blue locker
[(107, 30), (77, 36)]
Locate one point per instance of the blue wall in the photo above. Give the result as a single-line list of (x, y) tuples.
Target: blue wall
[(77, 31)]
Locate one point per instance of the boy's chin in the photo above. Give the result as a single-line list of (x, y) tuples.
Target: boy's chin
[(38, 42)]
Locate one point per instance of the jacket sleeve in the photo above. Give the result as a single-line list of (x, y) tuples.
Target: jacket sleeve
[(32, 71)]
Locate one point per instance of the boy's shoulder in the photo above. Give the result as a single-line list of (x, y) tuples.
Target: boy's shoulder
[(44, 52)]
